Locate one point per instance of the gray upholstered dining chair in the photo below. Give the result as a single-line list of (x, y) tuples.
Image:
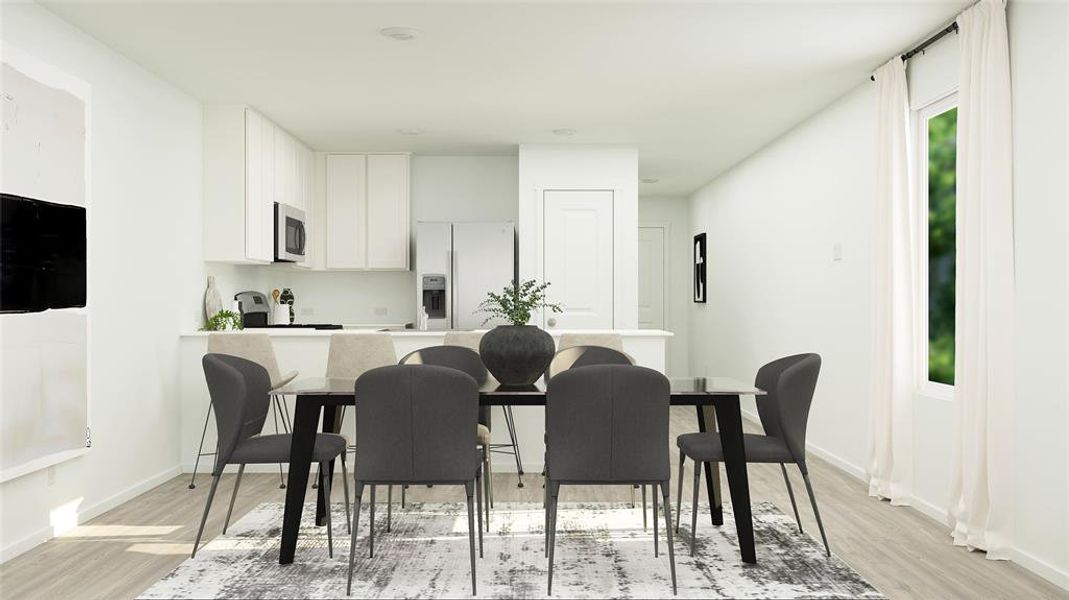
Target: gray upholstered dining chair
[(467, 361), (414, 426), (789, 384), (258, 348), (239, 390), (608, 425), (571, 356)]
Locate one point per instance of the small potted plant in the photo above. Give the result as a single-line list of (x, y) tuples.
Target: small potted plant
[(224, 320), (516, 354)]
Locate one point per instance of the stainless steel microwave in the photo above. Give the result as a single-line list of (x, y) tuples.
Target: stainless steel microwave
[(289, 233)]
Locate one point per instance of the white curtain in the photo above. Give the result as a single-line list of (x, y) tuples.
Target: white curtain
[(890, 469), (981, 512)]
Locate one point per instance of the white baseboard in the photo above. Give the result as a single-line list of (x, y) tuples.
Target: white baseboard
[(88, 512), (502, 464), (1058, 577)]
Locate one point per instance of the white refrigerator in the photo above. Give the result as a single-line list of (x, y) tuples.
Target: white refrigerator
[(457, 264)]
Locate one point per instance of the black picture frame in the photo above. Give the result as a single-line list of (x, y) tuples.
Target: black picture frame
[(699, 282)]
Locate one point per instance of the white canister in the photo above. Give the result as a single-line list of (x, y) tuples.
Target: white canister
[(281, 314)]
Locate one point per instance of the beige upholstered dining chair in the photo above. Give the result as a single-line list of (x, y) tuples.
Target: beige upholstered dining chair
[(606, 340), (471, 339), (349, 356), (255, 347)]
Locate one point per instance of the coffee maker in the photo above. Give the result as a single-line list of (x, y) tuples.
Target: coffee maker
[(253, 307)]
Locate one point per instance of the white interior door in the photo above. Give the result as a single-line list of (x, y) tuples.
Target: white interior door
[(651, 274), (577, 257)]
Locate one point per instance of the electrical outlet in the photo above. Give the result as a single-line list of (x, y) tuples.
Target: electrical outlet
[(308, 311), (380, 311)]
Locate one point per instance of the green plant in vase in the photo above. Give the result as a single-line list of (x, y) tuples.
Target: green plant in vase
[(517, 354), (224, 320), (516, 302)]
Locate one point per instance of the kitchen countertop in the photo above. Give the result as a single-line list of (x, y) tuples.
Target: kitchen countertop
[(416, 333)]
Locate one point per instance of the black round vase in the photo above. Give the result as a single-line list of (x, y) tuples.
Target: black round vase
[(516, 355)]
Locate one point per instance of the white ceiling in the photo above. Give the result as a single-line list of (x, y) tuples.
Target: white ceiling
[(695, 86)]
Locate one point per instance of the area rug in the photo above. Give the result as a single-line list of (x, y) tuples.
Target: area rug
[(602, 552)]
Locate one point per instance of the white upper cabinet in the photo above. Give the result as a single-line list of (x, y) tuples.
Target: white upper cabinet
[(387, 211), (367, 211), (249, 164), (346, 215)]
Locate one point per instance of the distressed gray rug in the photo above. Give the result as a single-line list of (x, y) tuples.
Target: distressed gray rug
[(602, 552)]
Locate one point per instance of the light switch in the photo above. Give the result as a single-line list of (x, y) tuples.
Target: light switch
[(837, 252)]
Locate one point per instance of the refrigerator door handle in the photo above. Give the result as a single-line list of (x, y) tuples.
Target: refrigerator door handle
[(453, 289)]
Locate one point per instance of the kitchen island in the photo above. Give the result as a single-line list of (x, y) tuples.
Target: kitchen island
[(305, 350)]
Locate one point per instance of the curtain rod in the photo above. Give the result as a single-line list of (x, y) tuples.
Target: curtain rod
[(952, 28)]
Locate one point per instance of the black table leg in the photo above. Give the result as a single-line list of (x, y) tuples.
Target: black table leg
[(729, 415), (305, 419), (707, 422), (331, 424)]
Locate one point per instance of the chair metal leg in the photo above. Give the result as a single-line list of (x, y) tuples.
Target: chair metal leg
[(204, 517), (655, 519), (371, 524), (274, 414), (545, 508), (324, 480), (694, 506), (358, 492), (479, 506), (679, 496), (645, 524), (790, 492), (668, 531), (816, 512), (200, 447), (632, 496), (510, 423), (404, 488), (389, 508), (345, 490), (233, 496), (471, 533), (486, 477), (552, 529)]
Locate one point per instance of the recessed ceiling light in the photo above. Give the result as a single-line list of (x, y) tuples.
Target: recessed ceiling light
[(649, 180), (410, 131), (402, 34), (564, 131)]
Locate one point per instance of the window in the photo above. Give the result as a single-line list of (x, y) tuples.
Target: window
[(937, 142)]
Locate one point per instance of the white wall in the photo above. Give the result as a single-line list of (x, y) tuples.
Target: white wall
[(674, 213), (585, 167), (774, 289), (144, 245)]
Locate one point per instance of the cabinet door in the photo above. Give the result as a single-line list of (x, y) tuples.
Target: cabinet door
[(259, 219), (270, 193), (577, 247), (387, 211), (346, 218)]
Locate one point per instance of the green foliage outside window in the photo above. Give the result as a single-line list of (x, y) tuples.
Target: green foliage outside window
[(942, 154)]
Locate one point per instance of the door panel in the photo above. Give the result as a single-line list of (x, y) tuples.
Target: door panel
[(577, 249), (387, 211), (483, 261), (651, 274), (346, 212)]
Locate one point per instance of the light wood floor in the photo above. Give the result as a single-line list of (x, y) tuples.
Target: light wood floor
[(900, 551)]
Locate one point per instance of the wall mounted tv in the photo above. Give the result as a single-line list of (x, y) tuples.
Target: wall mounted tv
[(42, 255)]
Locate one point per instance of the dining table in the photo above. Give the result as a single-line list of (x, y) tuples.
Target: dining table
[(318, 401)]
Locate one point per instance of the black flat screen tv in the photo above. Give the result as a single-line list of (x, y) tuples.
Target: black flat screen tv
[(42, 255)]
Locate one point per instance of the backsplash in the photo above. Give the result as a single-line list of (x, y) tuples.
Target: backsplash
[(326, 297)]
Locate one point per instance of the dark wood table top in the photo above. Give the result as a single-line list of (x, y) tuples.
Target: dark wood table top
[(687, 391)]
